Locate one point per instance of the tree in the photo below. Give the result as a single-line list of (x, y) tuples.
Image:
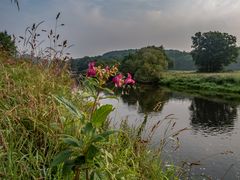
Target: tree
[(147, 64), (7, 44), (213, 50)]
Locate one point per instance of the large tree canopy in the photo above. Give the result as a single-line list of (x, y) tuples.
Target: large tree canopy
[(213, 50), (147, 64)]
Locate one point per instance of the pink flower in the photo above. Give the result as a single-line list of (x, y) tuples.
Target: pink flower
[(129, 80), (107, 68), (118, 80), (91, 72)]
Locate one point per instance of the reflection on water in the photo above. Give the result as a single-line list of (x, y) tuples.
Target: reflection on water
[(214, 126), (212, 117), (149, 98)]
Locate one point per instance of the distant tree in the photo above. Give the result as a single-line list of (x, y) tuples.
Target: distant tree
[(181, 60), (7, 44), (213, 50), (147, 64)]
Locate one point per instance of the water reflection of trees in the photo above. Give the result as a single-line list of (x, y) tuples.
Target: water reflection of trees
[(212, 117), (149, 98)]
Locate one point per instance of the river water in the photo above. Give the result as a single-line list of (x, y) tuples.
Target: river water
[(212, 139)]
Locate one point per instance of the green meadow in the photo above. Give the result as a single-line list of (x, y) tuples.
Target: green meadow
[(225, 84)]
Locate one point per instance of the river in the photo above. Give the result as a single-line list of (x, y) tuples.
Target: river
[(212, 139)]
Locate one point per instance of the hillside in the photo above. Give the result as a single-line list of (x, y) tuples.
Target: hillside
[(181, 60)]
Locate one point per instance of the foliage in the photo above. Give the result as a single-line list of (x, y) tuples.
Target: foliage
[(224, 85), (181, 60), (41, 117), (110, 58), (147, 64), (213, 50), (31, 119), (33, 44), (7, 45)]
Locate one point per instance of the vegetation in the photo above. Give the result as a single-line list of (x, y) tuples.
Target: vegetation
[(31, 44), (225, 85), (7, 45), (147, 64), (49, 132), (213, 50), (181, 60), (110, 58)]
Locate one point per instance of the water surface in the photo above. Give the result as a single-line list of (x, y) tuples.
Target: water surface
[(213, 135)]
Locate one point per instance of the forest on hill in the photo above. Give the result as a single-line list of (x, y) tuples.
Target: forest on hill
[(180, 60)]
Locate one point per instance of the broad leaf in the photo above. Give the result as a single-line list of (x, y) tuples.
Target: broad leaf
[(88, 128), (107, 90), (73, 109), (68, 166), (80, 160), (92, 152), (103, 136), (61, 157), (100, 115), (72, 141)]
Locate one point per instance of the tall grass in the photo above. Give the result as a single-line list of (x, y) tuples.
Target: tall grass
[(32, 122), (30, 118)]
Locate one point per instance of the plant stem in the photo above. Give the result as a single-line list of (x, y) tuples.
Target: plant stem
[(77, 174), (87, 175), (95, 104)]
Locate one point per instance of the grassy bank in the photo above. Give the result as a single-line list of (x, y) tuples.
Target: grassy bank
[(223, 85), (33, 122)]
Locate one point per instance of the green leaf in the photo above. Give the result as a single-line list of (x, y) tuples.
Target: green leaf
[(68, 166), (61, 157), (107, 91), (108, 133), (73, 109), (80, 160), (90, 85), (72, 141), (95, 176), (88, 128), (100, 115), (92, 152), (103, 136)]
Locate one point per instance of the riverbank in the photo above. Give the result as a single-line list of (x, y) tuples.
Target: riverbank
[(35, 128), (224, 85)]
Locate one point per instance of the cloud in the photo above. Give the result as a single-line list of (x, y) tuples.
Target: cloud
[(96, 26)]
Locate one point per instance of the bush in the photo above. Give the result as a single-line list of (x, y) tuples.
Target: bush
[(7, 45)]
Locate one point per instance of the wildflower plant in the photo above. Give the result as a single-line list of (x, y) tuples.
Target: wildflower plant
[(82, 153)]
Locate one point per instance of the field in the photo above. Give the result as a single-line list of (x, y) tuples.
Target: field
[(224, 85)]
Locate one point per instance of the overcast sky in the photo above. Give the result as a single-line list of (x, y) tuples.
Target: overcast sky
[(98, 26)]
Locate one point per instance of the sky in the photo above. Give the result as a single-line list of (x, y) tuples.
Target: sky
[(98, 26)]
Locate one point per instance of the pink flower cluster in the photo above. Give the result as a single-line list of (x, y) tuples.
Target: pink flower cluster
[(91, 72), (118, 80)]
